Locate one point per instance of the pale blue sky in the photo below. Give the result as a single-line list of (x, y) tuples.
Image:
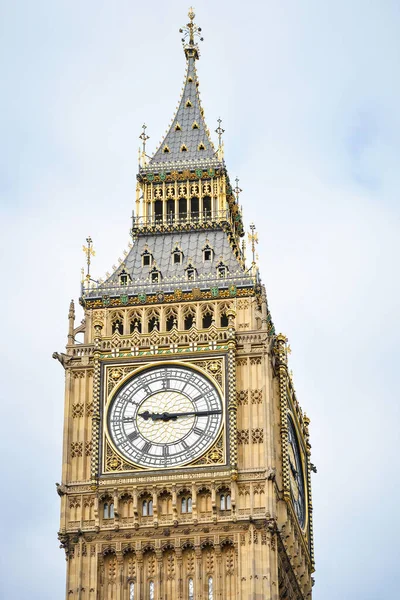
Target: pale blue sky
[(309, 96)]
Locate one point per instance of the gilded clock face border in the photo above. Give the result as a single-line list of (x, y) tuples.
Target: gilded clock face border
[(142, 365)]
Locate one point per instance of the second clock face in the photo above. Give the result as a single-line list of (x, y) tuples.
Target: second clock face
[(165, 417), (296, 474)]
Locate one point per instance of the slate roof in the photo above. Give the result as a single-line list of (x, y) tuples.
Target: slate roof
[(174, 276), (191, 138)]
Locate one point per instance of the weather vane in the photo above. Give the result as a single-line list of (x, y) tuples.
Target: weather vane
[(220, 131), (144, 137), (237, 189), (190, 30), (253, 238), (88, 250)]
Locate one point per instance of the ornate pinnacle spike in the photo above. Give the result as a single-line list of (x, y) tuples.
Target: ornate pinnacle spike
[(144, 137), (220, 131), (88, 250), (253, 238), (191, 31)]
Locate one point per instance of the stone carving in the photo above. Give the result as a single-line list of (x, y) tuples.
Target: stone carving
[(243, 436), (256, 396), (257, 435), (76, 449)]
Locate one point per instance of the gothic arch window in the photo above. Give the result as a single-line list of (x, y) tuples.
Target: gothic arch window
[(135, 323), (224, 320), (147, 508), (170, 210), (190, 589), (190, 272), (206, 206), (117, 327), (131, 591), (171, 319), (182, 208), (158, 210), (210, 589), (194, 207), (189, 319), (108, 510), (151, 590), (186, 504), (207, 317), (155, 275), (225, 501)]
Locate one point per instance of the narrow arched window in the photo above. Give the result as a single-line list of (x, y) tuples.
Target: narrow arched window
[(228, 502), (132, 591), (111, 511), (150, 507), (144, 508), (210, 589), (117, 327), (222, 502), (189, 505), (183, 505), (207, 320), (151, 590), (105, 511), (224, 320), (189, 321), (190, 589), (190, 273)]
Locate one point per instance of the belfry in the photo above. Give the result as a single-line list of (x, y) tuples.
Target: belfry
[(186, 455)]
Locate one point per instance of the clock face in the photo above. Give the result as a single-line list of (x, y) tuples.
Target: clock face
[(165, 417), (296, 474)]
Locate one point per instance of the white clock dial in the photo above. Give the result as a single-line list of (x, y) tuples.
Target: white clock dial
[(165, 417)]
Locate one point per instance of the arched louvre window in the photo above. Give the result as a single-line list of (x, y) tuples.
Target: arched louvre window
[(151, 590), (210, 589), (131, 591), (190, 589)]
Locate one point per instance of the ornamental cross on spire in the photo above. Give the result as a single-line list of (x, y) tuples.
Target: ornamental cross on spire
[(88, 250), (253, 239), (144, 137), (220, 131), (191, 32), (237, 189)]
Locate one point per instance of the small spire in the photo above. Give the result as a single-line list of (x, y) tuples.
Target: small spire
[(253, 238), (144, 137), (88, 250), (191, 31), (220, 131), (237, 189)]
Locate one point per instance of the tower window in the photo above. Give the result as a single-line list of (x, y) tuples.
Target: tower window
[(190, 589), (225, 502), (195, 125), (177, 256), (117, 327), (207, 321), (183, 148), (124, 278), (108, 510), (189, 321), (201, 146), (151, 590), (146, 258), (222, 271), (171, 321), (190, 273), (136, 325), (153, 324), (210, 589), (147, 508), (186, 505), (188, 104), (131, 591), (190, 79), (166, 150), (224, 320), (208, 254), (155, 276), (178, 127)]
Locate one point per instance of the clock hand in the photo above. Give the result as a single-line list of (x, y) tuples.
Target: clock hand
[(173, 416)]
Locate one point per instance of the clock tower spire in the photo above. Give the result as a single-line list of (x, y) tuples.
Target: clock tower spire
[(186, 455)]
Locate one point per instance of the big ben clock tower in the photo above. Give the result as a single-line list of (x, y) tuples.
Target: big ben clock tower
[(186, 455)]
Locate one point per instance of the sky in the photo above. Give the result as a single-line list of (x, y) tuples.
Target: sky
[(309, 96)]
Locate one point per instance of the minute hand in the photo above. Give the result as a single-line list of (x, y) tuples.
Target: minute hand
[(173, 416)]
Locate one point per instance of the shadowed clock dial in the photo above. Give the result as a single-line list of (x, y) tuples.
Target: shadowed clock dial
[(296, 474), (165, 416)]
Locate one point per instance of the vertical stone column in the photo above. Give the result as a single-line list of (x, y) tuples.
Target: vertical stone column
[(198, 577), (179, 563), (232, 406), (96, 405)]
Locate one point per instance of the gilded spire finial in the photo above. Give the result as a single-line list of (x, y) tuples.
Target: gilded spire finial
[(253, 238), (237, 189), (219, 131), (191, 32), (88, 250), (144, 137)]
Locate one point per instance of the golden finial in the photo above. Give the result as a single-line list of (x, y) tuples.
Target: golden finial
[(237, 189), (253, 238), (88, 250), (191, 31), (220, 131)]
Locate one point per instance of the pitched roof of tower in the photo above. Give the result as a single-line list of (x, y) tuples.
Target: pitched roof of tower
[(188, 137)]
